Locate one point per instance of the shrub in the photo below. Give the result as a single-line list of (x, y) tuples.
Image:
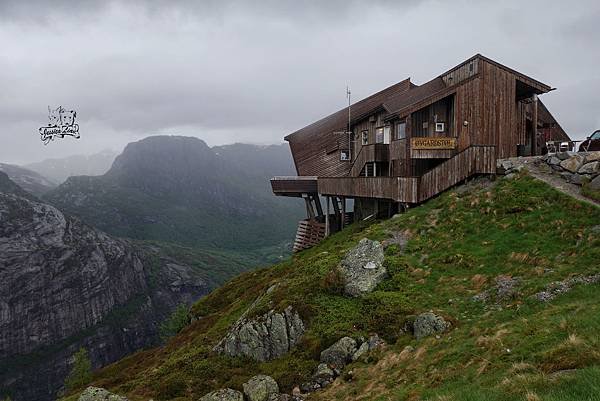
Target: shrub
[(81, 372), (174, 323)]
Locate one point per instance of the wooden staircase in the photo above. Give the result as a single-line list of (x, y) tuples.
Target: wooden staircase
[(310, 232)]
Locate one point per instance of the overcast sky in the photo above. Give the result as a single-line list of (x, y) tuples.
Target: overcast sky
[(234, 71)]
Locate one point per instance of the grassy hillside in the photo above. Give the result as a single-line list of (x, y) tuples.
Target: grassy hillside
[(518, 348)]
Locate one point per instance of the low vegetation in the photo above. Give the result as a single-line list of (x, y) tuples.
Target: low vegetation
[(516, 347)]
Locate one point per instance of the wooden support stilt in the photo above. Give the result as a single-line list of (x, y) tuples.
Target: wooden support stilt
[(343, 212), (317, 201), (327, 228)]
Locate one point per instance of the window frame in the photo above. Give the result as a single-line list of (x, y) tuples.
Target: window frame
[(398, 125), (377, 131), (364, 137), (344, 152)]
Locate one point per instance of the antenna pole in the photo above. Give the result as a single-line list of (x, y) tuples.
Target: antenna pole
[(348, 93)]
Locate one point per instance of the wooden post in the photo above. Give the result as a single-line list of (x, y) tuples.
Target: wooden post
[(343, 212), (309, 209), (534, 121), (317, 200), (408, 135), (327, 217)]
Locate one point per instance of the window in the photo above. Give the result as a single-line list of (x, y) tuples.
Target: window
[(379, 135), (365, 137), (401, 130), (439, 127), (386, 134), (344, 155)]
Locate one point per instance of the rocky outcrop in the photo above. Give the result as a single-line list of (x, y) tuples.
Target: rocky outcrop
[(264, 338), (99, 394), (362, 268), (64, 285), (428, 323), (260, 388), (225, 394), (575, 168), (339, 354), (560, 287), (336, 357), (505, 288)]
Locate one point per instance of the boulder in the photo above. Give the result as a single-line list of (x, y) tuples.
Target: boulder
[(595, 183), (565, 175), (362, 268), (99, 394), (260, 388), (363, 349), (578, 179), (324, 375), (340, 353), (592, 156), (429, 323), (280, 397), (374, 342), (573, 163), (564, 155), (553, 160), (225, 394), (589, 168), (264, 338)]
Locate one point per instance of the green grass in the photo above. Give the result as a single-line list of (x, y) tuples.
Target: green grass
[(459, 242)]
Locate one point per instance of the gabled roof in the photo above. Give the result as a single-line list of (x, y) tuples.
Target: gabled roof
[(400, 97), (339, 120)]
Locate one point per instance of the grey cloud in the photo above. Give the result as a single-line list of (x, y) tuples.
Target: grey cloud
[(251, 71)]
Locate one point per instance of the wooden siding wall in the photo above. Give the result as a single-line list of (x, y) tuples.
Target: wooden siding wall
[(499, 110), (444, 111), (467, 106), (398, 156), (312, 157), (462, 72), (399, 189)]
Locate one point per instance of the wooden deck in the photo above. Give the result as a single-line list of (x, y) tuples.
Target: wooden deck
[(473, 160), (294, 186)]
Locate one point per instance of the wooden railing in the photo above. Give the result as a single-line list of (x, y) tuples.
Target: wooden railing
[(473, 160), (376, 152)]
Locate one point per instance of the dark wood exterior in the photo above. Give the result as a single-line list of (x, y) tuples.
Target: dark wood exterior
[(409, 142)]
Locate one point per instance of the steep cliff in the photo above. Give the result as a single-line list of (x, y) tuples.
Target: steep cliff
[(64, 285)]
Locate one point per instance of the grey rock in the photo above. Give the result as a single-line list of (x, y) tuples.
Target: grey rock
[(362, 268), (363, 349), (595, 183), (260, 388), (374, 342), (340, 353), (573, 163), (99, 394), (556, 167), (510, 176), (578, 179), (553, 160), (505, 165), (67, 279), (560, 287), (265, 338), (592, 156), (590, 168), (323, 374), (429, 323), (566, 175), (225, 394), (564, 155), (505, 288)]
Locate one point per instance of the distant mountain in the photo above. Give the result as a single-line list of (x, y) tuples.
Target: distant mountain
[(65, 285), (177, 189), (60, 169), (29, 180)]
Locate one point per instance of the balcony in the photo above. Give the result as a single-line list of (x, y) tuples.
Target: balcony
[(294, 185)]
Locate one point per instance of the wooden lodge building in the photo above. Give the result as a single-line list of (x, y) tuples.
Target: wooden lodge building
[(407, 143)]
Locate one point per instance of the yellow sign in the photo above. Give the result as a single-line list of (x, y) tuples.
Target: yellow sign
[(433, 143)]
